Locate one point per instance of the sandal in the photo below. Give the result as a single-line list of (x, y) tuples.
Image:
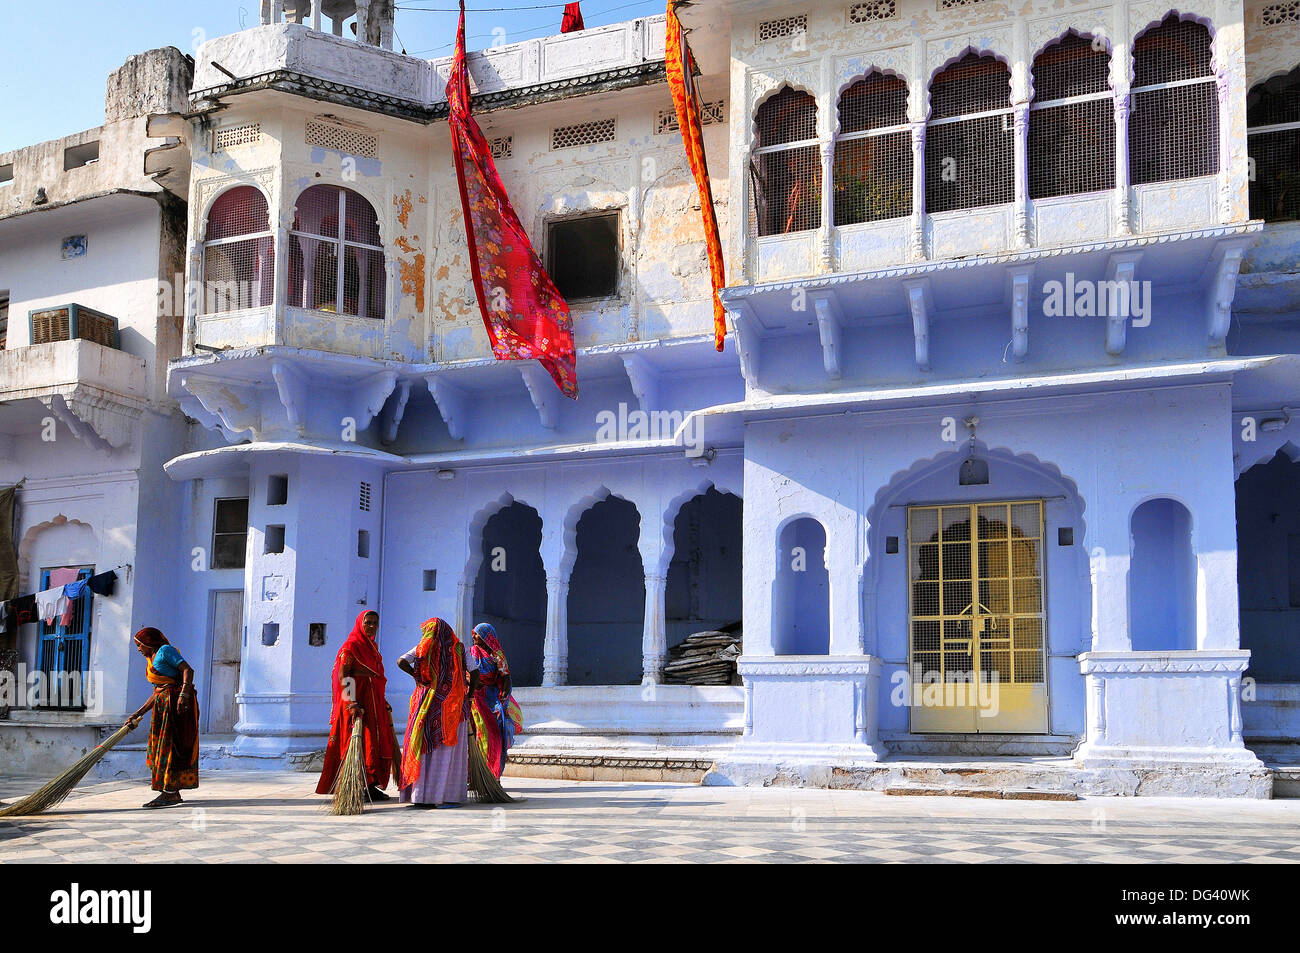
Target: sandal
[(163, 801), (377, 794)]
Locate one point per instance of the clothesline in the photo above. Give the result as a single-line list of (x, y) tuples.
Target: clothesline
[(57, 601)]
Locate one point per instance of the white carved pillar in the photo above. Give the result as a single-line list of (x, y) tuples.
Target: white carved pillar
[(654, 640), (826, 234), (280, 280), (746, 240), (277, 11), (193, 293), (1022, 174), (1123, 198), (918, 191), (555, 648), (315, 15), (1223, 84), (464, 608)]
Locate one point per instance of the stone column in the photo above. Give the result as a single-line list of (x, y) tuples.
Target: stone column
[(825, 243), (1022, 174), (464, 609), (654, 641), (918, 191), (1223, 84), (193, 294), (555, 648), (1123, 200), (280, 295)]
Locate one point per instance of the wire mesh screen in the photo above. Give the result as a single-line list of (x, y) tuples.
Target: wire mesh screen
[(1173, 133), (238, 274), (1072, 148), (970, 163), (336, 265), (787, 190), (789, 116), (1174, 50), (1273, 143), (240, 211), (973, 84), (1275, 188), (1072, 67), (873, 103), (873, 178)]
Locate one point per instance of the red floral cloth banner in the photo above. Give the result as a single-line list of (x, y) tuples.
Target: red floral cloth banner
[(681, 81), (526, 317), (572, 18)]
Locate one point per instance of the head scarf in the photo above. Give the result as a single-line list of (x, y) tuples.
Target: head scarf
[(488, 633), (439, 701), (364, 652), (151, 638)]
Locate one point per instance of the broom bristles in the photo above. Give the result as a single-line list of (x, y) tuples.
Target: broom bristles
[(55, 791), (482, 782), (350, 785)]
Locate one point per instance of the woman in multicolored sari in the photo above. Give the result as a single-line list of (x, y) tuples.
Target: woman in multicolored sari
[(358, 685), (496, 715), (436, 761), (173, 753)]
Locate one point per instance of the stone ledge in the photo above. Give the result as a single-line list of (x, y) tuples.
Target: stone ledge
[(1006, 794)]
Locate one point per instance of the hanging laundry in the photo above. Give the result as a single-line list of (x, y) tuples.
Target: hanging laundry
[(525, 315), (104, 584), (61, 577), (8, 555), (23, 610), (50, 604), (73, 590), (572, 18)]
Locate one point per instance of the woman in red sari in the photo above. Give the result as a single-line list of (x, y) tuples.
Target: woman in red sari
[(358, 687), (173, 752)]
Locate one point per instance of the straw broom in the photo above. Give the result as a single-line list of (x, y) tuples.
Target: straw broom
[(350, 785), (482, 782), (58, 789)]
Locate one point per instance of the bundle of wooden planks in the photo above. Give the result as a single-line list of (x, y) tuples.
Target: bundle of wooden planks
[(705, 658)]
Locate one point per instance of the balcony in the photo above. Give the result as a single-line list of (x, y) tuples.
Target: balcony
[(98, 392)]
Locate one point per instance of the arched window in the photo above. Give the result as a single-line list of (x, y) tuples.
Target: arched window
[(1273, 142), (238, 252), (787, 169), (873, 152), (336, 262), (1173, 132), (1071, 120), (801, 623), (970, 136)]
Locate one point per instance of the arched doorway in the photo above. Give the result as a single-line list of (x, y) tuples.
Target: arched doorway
[(1268, 568), (606, 609), (705, 578), (510, 591)]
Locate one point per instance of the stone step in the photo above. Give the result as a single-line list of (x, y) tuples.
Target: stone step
[(1005, 794), (602, 766)]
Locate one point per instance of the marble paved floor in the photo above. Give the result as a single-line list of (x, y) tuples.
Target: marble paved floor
[(274, 817)]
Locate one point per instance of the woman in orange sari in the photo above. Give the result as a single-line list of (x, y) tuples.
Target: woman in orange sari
[(358, 685), (436, 765), (173, 752)]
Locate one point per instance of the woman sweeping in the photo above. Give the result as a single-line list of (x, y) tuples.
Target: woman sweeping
[(436, 763), (358, 685), (173, 752), (496, 716)]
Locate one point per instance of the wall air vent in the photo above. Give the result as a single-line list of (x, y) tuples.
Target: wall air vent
[(341, 138), (583, 134)]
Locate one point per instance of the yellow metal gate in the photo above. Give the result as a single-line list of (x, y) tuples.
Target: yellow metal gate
[(976, 617)]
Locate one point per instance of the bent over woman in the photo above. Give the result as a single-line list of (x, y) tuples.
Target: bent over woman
[(173, 752)]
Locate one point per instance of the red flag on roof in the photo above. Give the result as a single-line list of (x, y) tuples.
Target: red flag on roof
[(572, 18), (525, 315), (680, 66)]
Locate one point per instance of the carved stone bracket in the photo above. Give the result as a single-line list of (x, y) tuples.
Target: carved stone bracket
[(233, 405), (745, 326), (1121, 268), (394, 411), (644, 379), (546, 396), (452, 401), (1223, 288), (98, 421), (921, 305), (830, 322), (1018, 280), (292, 388), (373, 392)]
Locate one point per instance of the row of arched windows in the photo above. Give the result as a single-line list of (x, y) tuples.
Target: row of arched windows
[(336, 260), (969, 152)]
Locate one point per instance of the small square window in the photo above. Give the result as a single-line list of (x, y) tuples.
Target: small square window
[(430, 580), (74, 157), (316, 633), (6, 173), (891, 544), (270, 633), (274, 539), (582, 256), (363, 544), (277, 489), (229, 533), (1065, 536)]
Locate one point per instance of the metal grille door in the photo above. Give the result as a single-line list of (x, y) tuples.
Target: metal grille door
[(976, 617), (64, 651)]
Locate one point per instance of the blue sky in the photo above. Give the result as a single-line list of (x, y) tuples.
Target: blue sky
[(59, 52)]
